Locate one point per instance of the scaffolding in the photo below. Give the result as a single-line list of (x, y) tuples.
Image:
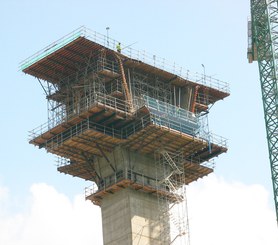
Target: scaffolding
[(176, 210), (133, 54), (101, 101)]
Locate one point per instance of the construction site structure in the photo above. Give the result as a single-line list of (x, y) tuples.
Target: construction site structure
[(131, 124), (263, 47)]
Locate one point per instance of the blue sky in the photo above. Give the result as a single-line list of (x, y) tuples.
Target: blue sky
[(190, 33)]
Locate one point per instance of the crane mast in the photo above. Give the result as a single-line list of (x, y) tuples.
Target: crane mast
[(263, 47)]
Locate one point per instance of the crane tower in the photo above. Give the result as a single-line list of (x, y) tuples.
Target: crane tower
[(132, 125), (263, 47)]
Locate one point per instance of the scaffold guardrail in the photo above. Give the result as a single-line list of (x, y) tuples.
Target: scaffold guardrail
[(52, 47), (127, 50), (126, 174), (172, 123), (74, 110)]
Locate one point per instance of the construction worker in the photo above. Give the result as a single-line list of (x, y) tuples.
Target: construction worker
[(118, 47)]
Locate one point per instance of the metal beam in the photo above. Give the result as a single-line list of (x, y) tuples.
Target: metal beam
[(93, 140)]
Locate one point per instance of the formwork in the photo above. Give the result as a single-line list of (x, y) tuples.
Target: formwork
[(103, 103)]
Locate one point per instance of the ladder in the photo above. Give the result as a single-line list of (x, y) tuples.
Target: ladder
[(170, 161)]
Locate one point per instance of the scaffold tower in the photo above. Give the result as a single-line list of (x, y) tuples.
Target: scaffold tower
[(131, 124)]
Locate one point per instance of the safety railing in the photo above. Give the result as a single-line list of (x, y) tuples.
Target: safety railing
[(158, 62), (114, 87), (175, 123), (179, 158), (79, 129), (90, 190), (165, 114), (76, 109), (135, 127), (182, 121), (203, 98), (52, 47), (85, 104), (43, 128), (127, 174), (61, 161), (174, 68), (104, 64), (127, 50), (218, 140), (169, 109)]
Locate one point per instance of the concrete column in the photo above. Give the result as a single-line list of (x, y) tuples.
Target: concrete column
[(131, 217)]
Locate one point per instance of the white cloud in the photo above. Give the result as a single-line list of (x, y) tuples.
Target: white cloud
[(220, 213), (52, 219), (230, 213)]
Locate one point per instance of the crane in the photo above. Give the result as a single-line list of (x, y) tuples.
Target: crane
[(263, 47)]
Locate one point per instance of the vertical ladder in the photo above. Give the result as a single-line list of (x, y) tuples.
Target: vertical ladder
[(174, 217)]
